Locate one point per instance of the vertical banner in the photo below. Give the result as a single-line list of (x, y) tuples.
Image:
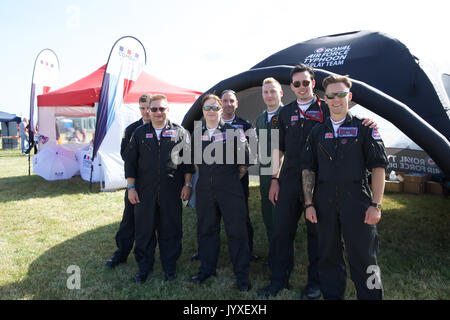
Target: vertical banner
[(125, 63), (45, 73)]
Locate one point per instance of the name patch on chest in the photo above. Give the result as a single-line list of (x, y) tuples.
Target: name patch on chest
[(169, 133), (219, 136), (347, 132), (294, 118), (149, 135), (328, 135), (314, 114)]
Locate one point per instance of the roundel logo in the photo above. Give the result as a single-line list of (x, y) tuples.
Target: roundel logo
[(430, 162), (319, 50)]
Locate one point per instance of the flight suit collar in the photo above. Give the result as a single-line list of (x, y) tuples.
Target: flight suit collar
[(266, 112), (314, 111), (168, 125), (313, 101), (219, 126), (348, 120), (274, 120), (233, 121)]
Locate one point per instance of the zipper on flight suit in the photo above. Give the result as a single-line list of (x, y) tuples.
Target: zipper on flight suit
[(159, 169), (325, 151)]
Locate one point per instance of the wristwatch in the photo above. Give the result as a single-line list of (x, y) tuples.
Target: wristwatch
[(376, 205), (188, 185)]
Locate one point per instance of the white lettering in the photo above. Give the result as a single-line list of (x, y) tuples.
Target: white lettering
[(200, 310), (74, 281), (374, 280), (246, 309)]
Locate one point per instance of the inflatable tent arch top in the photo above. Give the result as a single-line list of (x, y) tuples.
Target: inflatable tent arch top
[(388, 80)]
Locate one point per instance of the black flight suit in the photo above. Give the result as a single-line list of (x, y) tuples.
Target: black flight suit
[(239, 123), (219, 193), (293, 133), (158, 183), (341, 198), (125, 234)]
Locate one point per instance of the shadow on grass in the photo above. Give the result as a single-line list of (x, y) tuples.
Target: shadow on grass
[(30, 187), (413, 257), (47, 275)]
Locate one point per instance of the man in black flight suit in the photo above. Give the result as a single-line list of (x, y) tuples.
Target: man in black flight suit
[(125, 234), (230, 104), (295, 123), (156, 185), (338, 154)]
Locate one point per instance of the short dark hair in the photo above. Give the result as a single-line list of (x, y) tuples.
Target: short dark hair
[(147, 97), (300, 67), (227, 91), (335, 78)]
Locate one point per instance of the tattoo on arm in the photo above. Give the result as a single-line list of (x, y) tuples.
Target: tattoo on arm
[(242, 171), (308, 181)]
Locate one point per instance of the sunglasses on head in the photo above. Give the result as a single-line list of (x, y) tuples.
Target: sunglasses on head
[(155, 109), (297, 84), (340, 94), (213, 108)]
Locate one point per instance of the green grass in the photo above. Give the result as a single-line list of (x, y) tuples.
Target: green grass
[(47, 226)]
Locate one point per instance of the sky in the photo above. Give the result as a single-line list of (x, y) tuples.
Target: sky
[(195, 44)]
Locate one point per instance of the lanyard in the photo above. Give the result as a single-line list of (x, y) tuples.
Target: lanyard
[(319, 118)]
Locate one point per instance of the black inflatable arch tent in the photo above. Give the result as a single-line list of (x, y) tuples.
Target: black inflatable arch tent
[(387, 79)]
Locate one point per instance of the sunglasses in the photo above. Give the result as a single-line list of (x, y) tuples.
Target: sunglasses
[(155, 109), (340, 94), (297, 84), (213, 108)]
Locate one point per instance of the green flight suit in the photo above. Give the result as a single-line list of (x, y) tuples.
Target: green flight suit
[(267, 208)]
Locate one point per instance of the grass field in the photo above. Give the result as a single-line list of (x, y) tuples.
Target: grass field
[(45, 227)]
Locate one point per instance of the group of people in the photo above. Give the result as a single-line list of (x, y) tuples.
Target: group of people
[(25, 142), (320, 158)]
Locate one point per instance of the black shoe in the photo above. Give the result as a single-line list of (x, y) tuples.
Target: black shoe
[(200, 277), (113, 262), (195, 256), (168, 276), (310, 293), (140, 278), (244, 286), (253, 257), (270, 290)]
